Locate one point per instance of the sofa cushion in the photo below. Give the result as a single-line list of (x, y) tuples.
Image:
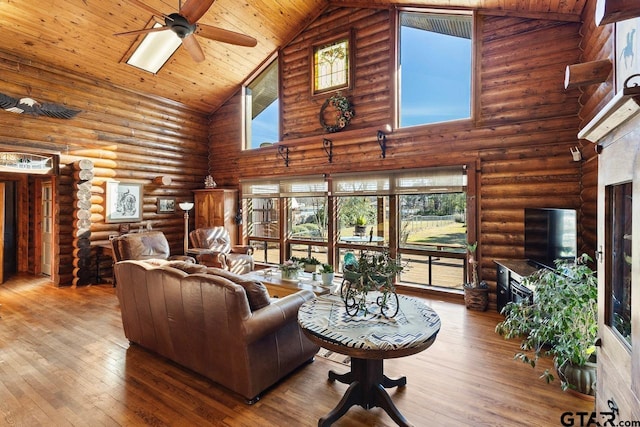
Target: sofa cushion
[(257, 293)]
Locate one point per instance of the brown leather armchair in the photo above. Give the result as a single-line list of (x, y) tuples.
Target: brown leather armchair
[(214, 249), (144, 246)]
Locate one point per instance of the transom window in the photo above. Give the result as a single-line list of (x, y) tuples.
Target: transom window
[(435, 67), (262, 109), (331, 65)]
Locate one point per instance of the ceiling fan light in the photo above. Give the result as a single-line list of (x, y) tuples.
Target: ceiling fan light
[(154, 50)]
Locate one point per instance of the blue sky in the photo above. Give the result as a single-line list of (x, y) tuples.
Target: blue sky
[(265, 126), (435, 77)]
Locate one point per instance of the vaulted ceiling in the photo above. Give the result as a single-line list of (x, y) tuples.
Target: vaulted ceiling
[(78, 36)]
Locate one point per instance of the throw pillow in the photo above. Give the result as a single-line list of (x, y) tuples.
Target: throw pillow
[(257, 293)]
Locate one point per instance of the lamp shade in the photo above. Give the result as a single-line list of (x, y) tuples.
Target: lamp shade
[(186, 206)]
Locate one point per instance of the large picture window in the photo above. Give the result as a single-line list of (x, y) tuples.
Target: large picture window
[(418, 215), (435, 67)]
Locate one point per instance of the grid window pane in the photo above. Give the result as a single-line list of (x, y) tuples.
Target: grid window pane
[(331, 66), (263, 217), (308, 218)]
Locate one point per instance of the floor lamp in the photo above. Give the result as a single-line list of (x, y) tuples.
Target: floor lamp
[(186, 207)]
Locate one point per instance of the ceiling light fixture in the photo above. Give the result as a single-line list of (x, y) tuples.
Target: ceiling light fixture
[(155, 50)]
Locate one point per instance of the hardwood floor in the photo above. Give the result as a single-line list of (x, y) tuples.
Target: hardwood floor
[(64, 361)]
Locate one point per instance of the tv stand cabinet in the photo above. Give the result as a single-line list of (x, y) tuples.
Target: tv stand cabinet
[(509, 274)]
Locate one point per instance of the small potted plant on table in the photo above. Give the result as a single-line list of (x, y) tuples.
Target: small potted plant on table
[(310, 264), (361, 226), (327, 274)]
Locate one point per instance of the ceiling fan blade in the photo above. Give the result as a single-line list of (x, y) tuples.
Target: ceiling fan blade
[(193, 47), (145, 31), (225, 36), (195, 9), (149, 9)]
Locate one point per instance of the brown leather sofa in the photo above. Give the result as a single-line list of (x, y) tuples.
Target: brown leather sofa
[(228, 330), (144, 246), (215, 250)]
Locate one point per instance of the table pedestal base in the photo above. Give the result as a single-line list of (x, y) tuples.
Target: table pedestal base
[(367, 384)]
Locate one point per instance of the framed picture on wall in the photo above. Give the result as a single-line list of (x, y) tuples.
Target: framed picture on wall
[(123, 202), (627, 52), (166, 205)]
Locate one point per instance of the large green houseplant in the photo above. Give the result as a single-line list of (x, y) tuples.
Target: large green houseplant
[(561, 322)]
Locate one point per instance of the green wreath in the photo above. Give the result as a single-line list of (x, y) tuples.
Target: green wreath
[(344, 113)]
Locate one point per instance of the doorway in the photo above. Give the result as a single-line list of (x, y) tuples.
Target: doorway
[(8, 227), (47, 229)]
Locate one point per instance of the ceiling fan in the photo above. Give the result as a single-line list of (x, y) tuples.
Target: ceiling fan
[(185, 24)]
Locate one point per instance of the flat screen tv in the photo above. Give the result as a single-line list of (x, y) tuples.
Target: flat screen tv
[(549, 234)]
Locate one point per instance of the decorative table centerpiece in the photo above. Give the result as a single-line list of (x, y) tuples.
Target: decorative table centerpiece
[(372, 272), (290, 269)]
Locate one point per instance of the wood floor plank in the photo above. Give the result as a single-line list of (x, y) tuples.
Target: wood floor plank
[(64, 361)]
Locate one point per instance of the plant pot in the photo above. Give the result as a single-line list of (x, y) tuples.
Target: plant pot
[(476, 298), (327, 278), (289, 275), (310, 268), (360, 230), (580, 379), (351, 276)]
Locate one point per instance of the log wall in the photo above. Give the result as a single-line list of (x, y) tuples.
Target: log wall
[(597, 44), (127, 136), (524, 123)]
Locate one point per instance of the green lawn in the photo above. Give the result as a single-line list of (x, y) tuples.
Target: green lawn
[(446, 233)]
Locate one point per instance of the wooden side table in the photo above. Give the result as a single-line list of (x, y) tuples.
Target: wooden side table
[(104, 250)]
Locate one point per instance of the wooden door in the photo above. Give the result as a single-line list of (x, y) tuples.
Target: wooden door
[(618, 388), (47, 229)]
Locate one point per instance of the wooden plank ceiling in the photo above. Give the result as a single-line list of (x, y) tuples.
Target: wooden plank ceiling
[(77, 35)]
